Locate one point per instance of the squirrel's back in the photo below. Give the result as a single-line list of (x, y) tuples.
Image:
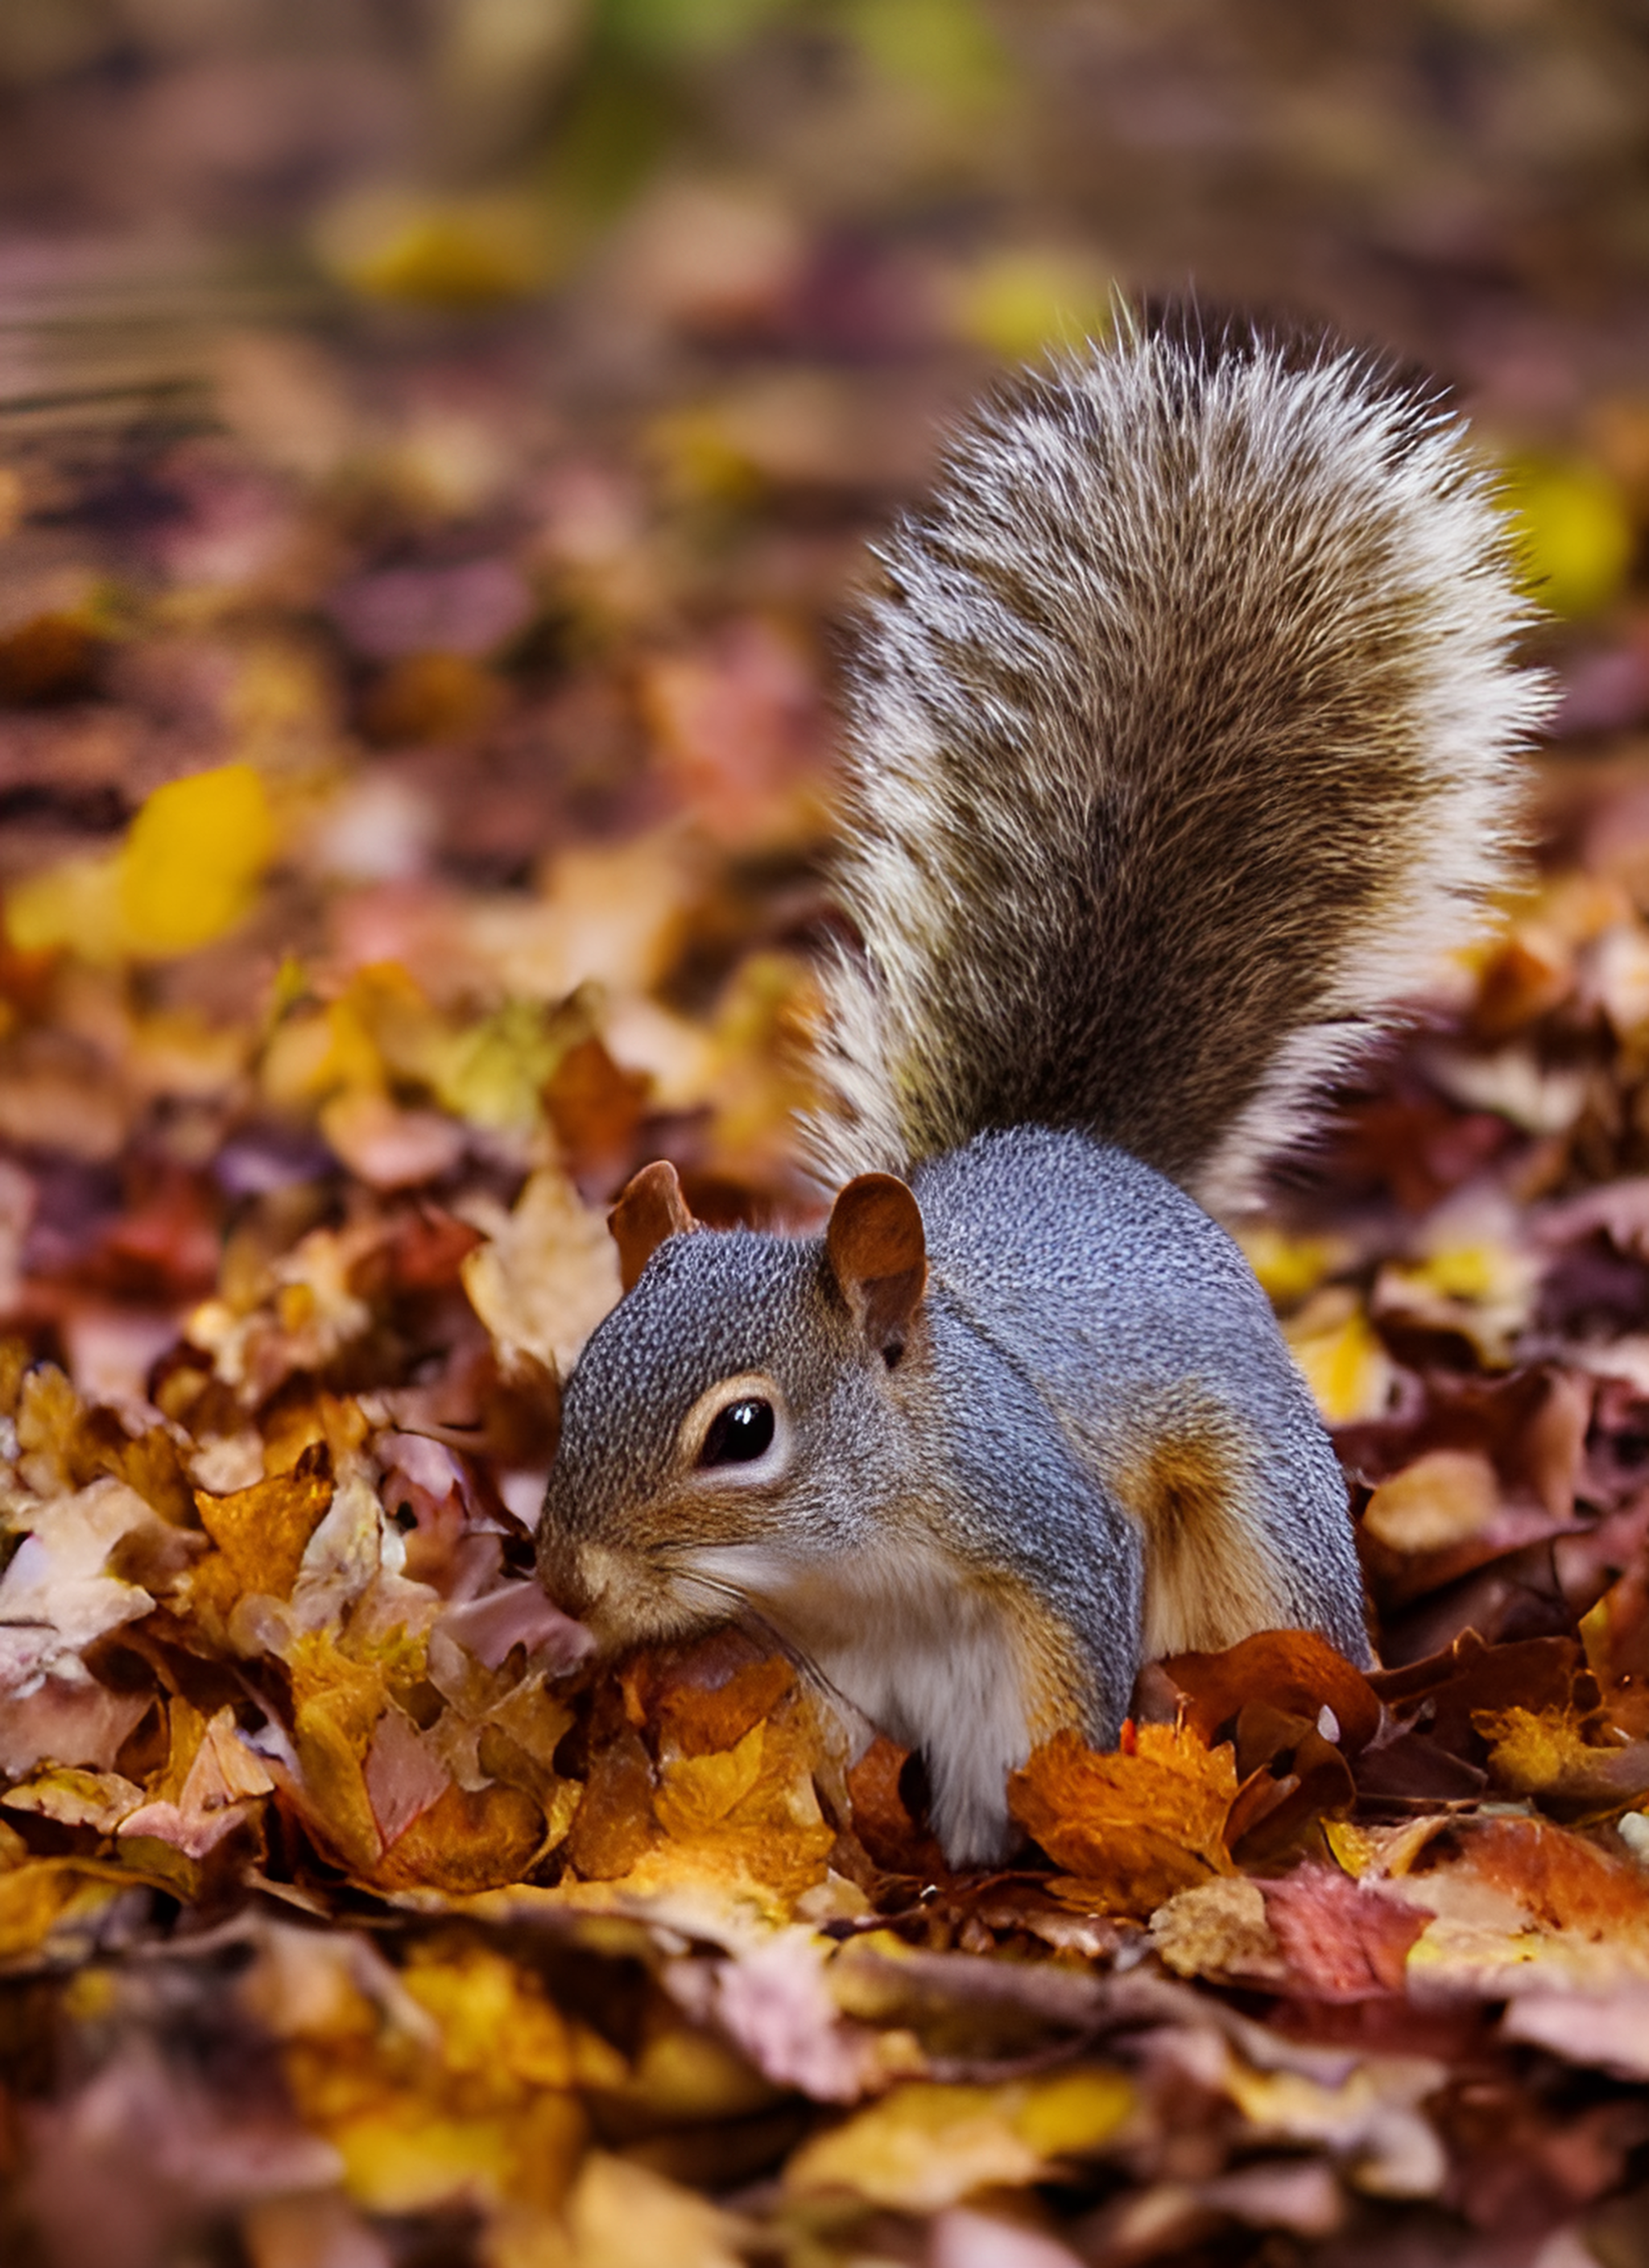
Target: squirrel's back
[(1181, 746), (1140, 1324)]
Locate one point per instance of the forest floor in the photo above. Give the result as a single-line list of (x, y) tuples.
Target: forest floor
[(415, 718)]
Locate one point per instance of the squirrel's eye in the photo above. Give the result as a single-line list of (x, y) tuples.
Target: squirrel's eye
[(738, 1433)]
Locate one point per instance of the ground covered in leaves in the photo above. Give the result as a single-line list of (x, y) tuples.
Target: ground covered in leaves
[(414, 739)]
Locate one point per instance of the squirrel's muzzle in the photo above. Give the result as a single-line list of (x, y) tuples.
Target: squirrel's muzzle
[(563, 1571)]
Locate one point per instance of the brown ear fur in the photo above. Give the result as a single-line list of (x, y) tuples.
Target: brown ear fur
[(877, 1248), (650, 1209)]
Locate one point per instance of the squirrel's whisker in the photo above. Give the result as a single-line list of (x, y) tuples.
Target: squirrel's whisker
[(751, 1618)]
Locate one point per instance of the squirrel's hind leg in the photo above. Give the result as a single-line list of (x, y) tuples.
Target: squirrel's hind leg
[(1218, 1531)]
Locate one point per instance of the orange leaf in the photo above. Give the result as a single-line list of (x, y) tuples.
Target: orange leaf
[(595, 1105), (263, 1531), (697, 1721), (467, 1841), (1134, 1829)]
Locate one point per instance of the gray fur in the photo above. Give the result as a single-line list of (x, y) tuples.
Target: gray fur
[(1181, 751), (1126, 1306)]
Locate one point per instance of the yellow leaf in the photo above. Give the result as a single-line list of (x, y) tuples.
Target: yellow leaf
[(1289, 1267), (76, 902), (458, 253), (337, 1705), (1533, 1751), (624, 2215), (699, 1791), (1476, 1278), (314, 1052), (926, 2145), (1073, 2112), (1346, 1364), (76, 1798), (1370, 2118), (1577, 532), (493, 2016), (188, 868), (923, 2148), (43, 1894), (264, 1530), (493, 1073), (407, 2156), (1019, 303)]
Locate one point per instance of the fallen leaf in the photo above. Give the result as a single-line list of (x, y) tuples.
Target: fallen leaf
[(1341, 1940), (262, 1532), (1544, 1754), (1133, 1828), (1294, 1672), (1441, 1498), (77, 1799), (1220, 1929), (54, 1596), (926, 2147), (546, 1275)]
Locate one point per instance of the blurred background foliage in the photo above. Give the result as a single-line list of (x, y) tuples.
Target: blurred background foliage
[(670, 299), (1425, 171)]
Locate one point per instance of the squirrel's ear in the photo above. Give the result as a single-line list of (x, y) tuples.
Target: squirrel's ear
[(650, 1209), (877, 1250)]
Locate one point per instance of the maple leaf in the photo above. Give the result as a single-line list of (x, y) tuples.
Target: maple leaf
[(262, 1532)]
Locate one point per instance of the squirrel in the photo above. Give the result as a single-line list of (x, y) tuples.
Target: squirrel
[(1183, 740)]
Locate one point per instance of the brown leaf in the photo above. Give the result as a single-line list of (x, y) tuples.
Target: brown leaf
[(892, 1834), (47, 658), (1295, 1780), (615, 1821), (1455, 1687), (595, 1108), (1290, 1670), (430, 698), (698, 1720)]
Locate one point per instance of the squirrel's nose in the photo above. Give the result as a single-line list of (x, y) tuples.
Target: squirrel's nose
[(563, 1571)]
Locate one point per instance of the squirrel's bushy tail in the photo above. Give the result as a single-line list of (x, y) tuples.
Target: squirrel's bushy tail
[(1181, 746)]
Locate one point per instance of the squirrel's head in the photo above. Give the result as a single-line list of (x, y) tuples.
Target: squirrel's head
[(730, 1426)]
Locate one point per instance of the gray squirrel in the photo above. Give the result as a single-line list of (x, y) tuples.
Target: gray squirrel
[(1183, 742)]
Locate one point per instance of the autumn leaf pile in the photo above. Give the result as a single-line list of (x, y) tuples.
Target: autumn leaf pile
[(414, 725)]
